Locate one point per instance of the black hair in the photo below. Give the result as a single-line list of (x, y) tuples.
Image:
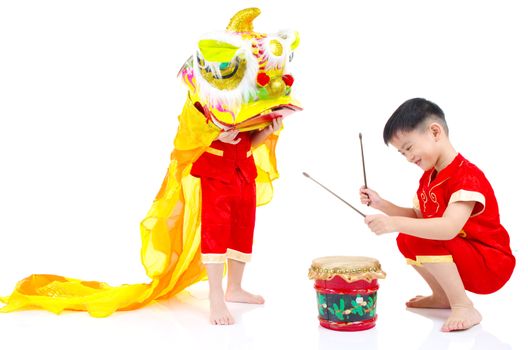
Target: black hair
[(411, 115)]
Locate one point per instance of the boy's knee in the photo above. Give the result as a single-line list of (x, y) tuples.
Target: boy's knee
[(411, 246), (403, 245)]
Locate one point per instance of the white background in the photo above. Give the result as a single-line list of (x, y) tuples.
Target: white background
[(88, 110)]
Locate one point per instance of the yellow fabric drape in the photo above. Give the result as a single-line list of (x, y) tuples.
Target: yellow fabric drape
[(170, 235)]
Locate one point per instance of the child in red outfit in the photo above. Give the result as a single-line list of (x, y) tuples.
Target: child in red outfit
[(453, 236), (227, 174)]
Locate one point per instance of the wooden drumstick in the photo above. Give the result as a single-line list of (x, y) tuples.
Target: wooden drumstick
[(363, 162), (317, 182)]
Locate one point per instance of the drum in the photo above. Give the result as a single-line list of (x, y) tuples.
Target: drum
[(346, 289)]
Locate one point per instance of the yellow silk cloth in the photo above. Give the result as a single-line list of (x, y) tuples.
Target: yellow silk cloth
[(170, 235)]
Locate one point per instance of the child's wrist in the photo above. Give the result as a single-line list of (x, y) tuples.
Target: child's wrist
[(266, 132), (381, 205)]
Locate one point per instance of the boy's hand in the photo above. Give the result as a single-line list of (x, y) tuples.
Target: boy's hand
[(380, 223), (259, 137), (275, 125), (370, 197), (229, 136)]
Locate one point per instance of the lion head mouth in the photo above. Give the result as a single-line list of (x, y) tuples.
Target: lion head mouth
[(255, 122)]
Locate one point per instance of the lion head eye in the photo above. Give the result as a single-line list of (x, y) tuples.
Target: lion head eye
[(220, 63), (223, 75), (229, 69)]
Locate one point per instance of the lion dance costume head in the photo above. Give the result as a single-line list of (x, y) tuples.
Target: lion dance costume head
[(239, 77)]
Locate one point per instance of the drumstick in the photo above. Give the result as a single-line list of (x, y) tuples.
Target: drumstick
[(363, 162), (317, 182)]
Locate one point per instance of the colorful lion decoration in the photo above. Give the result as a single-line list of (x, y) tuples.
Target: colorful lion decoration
[(239, 76), (236, 79)]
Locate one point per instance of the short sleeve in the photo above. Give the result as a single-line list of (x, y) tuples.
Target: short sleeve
[(416, 202), (467, 185)]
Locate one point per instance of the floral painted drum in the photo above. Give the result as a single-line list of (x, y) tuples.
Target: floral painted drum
[(346, 289)]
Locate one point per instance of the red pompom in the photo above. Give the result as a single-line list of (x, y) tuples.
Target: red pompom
[(263, 79), (288, 79)]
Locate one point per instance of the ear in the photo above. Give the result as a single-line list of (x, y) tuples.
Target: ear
[(217, 51), (436, 130)]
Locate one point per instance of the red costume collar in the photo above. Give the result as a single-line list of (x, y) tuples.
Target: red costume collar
[(445, 173)]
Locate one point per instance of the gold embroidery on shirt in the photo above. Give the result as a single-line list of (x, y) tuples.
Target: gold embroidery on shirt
[(432, 195), (423, 196)]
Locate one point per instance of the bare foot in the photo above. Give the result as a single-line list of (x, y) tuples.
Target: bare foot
[(219, 314), (462, 318), (241, 296), (429, 302)]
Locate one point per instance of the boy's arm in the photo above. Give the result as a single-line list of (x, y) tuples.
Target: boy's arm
[(374, 200), (443, 228), (394, 210)]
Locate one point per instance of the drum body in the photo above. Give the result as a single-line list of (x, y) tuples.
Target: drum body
[(346, 290)]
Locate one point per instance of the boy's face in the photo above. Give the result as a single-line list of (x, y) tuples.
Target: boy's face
[(418, 146)]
